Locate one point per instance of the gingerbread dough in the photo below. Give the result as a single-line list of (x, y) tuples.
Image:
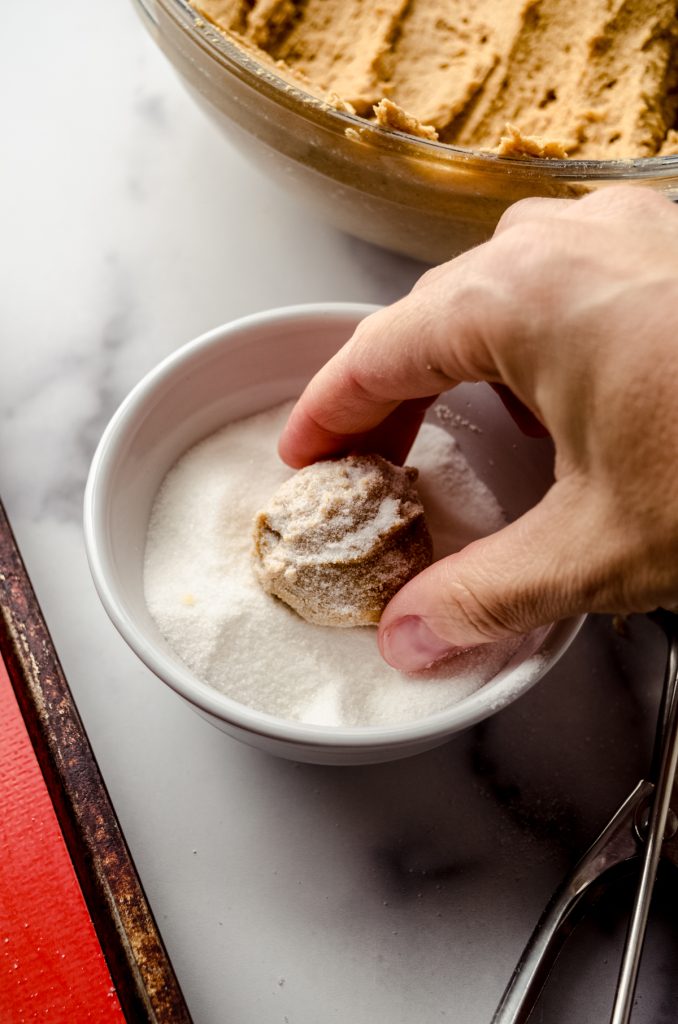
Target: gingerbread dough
[(594, 79), (338, 539)]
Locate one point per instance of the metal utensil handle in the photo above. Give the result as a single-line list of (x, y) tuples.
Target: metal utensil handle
[(628, 974), (616, 845)]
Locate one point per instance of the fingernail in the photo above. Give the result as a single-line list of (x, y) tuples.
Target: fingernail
[(410, 645)]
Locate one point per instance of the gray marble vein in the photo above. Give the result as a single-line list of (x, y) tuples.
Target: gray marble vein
[(286, 894)]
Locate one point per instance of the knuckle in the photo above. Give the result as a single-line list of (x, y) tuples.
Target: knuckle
[(623, 198), (373, 325), (527, 250), (430, 277), (521, 211), (490, 621)]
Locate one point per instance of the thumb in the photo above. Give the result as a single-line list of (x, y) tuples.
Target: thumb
[(549, 564)]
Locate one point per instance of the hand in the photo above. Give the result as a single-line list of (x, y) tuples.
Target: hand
[(573, 307)]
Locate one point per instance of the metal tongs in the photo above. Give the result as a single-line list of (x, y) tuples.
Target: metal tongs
[(644, 828)]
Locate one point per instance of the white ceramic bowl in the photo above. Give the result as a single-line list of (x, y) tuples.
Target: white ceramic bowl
[(231, 372)]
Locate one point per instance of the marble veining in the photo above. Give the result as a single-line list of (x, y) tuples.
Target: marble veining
[(286, 894)]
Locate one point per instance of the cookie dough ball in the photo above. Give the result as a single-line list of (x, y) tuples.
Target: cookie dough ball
[(338, 539)]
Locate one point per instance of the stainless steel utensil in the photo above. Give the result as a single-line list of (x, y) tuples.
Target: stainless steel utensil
[(645, 829)]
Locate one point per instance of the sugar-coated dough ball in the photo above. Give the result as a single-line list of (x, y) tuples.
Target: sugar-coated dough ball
[(338, 539)]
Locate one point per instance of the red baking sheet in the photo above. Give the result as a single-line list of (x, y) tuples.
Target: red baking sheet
[(78, 941), (51, 964)]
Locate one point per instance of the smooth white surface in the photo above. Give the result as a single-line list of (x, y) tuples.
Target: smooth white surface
[(399, 893)]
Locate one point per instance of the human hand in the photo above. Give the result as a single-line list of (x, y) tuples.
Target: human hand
[(573, 307)]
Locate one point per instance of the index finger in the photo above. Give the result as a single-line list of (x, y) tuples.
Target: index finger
[(374, 391)]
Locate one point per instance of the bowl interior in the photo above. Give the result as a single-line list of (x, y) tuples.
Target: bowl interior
[(236, 371), (223, 376)]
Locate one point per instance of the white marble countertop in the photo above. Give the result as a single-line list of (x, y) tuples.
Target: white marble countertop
[(286, 894)]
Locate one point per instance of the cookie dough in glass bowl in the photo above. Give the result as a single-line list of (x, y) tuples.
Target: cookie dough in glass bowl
[(424, 197)]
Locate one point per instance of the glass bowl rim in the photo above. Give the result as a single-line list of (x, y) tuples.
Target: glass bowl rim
[(220, 48)]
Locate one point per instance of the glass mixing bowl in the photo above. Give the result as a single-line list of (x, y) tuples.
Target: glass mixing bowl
[(425, 199)]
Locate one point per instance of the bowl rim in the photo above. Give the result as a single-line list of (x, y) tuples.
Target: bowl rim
[(217, 44), (498, 692)]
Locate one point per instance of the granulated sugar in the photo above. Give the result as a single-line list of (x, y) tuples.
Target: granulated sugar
[(202, 593)]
